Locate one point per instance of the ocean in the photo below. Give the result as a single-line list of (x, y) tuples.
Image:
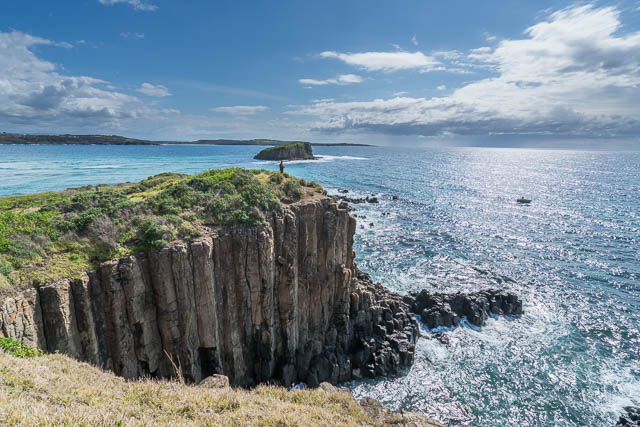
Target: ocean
[(573, 255)]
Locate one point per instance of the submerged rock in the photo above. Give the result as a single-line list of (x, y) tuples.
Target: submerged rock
[(436, 309)]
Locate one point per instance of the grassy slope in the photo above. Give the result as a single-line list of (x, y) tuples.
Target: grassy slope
[(56, 390), (48, 236)]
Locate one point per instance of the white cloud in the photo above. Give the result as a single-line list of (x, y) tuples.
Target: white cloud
[(136, 4), (387, 61), (344, 79), (153, 90), (574, 74), (128, 35), (490, 37), (33, 92), (36, 97), (441, 87), (241, 110), (414, 40), (447, 54)]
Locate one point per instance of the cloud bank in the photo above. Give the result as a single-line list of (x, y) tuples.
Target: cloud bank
[(573, 75), (32, 90), (387, 61), (136, 4)]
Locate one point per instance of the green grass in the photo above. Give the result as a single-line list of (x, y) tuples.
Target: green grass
[(49, 236), (17, 349)]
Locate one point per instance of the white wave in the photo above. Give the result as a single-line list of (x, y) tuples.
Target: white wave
[(625, 390), (320, 158)]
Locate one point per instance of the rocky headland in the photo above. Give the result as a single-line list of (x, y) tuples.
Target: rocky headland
[(275, 297), (279, 302), (294, 151)]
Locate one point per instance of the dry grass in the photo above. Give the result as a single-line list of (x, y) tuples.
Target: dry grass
[(56, 390)]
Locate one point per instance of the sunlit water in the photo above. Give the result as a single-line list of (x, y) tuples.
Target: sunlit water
[(573, 255)]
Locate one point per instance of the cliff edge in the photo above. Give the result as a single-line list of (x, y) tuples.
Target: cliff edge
[(277, 300)]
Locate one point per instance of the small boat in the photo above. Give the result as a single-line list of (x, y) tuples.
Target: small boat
[(523, 200)]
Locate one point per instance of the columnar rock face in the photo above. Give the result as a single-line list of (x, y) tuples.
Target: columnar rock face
[(282, 301)]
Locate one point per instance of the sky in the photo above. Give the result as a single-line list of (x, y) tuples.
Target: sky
[(403, 72)]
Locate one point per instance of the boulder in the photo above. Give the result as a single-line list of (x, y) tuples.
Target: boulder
[(215, 381)]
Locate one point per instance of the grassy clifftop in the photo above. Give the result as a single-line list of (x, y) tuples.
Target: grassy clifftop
[(48, 236), (56, 390)]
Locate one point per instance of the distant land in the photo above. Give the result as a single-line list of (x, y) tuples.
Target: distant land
[(16, 138)]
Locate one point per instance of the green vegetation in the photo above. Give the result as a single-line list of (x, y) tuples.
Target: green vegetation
[(17, 349), (48, 236), (294, 151)]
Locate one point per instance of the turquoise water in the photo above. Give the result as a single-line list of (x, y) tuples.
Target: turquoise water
[(573, 255)]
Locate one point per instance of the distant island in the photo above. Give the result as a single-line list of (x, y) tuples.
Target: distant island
[(15, 138), (293, 151)]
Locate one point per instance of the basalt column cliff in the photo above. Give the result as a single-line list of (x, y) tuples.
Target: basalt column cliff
[(279, 302)]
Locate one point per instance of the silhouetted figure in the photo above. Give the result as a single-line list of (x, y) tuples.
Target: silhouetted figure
[(281, 166)]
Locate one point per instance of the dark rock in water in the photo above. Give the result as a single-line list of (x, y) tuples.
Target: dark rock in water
[(395, 198), (294, 151), (631, 418), (343, 191), (446, 309), (354, 200), (359, 200)]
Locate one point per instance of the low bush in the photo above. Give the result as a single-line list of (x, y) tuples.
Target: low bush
[(16, 348)]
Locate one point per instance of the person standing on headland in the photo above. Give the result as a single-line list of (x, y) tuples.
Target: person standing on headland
[(281, 166)]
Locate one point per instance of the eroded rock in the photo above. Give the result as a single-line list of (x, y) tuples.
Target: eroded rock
[(437, 309)]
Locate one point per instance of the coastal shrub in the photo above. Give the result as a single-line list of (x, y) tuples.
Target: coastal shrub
[(276, 178), (17, 348), (292, 189), (52, 235), (151, 235), (5, 268)]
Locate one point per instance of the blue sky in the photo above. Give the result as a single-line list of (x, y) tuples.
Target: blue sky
[(388, 72)]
